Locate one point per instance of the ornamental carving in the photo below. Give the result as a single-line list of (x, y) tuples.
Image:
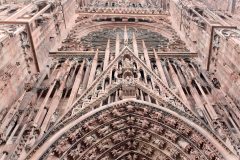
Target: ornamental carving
[(132, 131)]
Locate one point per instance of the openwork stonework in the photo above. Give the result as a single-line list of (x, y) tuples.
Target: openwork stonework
[(124, 80)]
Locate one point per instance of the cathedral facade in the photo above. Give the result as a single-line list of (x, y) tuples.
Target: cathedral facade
[(125, 80)]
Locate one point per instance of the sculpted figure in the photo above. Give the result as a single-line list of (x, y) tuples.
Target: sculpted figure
[(156, 115), (115, 112), (171, 136), (130, 108), (120, 67), (197, 140), (120, 94), (142, 111), (54, 116), (61, 147), (161, 157), (196, 155), (156, 71), (32, 141), (120, 136), (139, 75), (137, 94), (208, 152), (104, 145), (118, 124), (88, 126), (144, 136), (147, 150), (91, 155), (132, 145), (89, 140), (74, 153), (98, 72), (130, 120), (80, 148), (134, 157), (173, 152), (127, 63), (170, 121), (161, 143), (143, 123), (117, 152), (111, 58), (183, 129), (105, 158), (157, 129), (104, 117), (116, 75), (185, 146), (131, 132), (219, 130), (77, 133), (28, 86), (104, 131)]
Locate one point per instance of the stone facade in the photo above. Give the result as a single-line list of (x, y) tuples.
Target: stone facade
[(130, 80)]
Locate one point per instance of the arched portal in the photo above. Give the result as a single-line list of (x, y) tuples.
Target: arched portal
[(132, 128)]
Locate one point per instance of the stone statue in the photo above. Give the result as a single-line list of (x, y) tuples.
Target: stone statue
[(54, 116), (160, 143), (32, 141), (156, 71), (137, 93), (89, 140), (98, 72), (144, 136), (127, 63), (120, 94), (118, 124)]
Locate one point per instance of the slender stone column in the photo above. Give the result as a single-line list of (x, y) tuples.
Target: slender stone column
[(209, 107), (135, 49), (75, 85), (37, 120), (178, 85), (56, 97), (125, 34), (117, 46), (167, 74), (86, 76), (93, 69), (146, 55), (106, 58), (160, 68), (193, 90)]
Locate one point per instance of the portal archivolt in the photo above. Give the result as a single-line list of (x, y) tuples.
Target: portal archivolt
[(131, 129)]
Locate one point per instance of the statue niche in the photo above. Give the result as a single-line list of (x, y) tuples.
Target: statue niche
[(128, 87)]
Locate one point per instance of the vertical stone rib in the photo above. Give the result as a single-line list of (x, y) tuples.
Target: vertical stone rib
[(209, 107), (146, 55), (178, 85), (93, 69), (160, 68), (125, 34), (117, 46), (56, 97), (75, 85), (106, 59), (135, 49)]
